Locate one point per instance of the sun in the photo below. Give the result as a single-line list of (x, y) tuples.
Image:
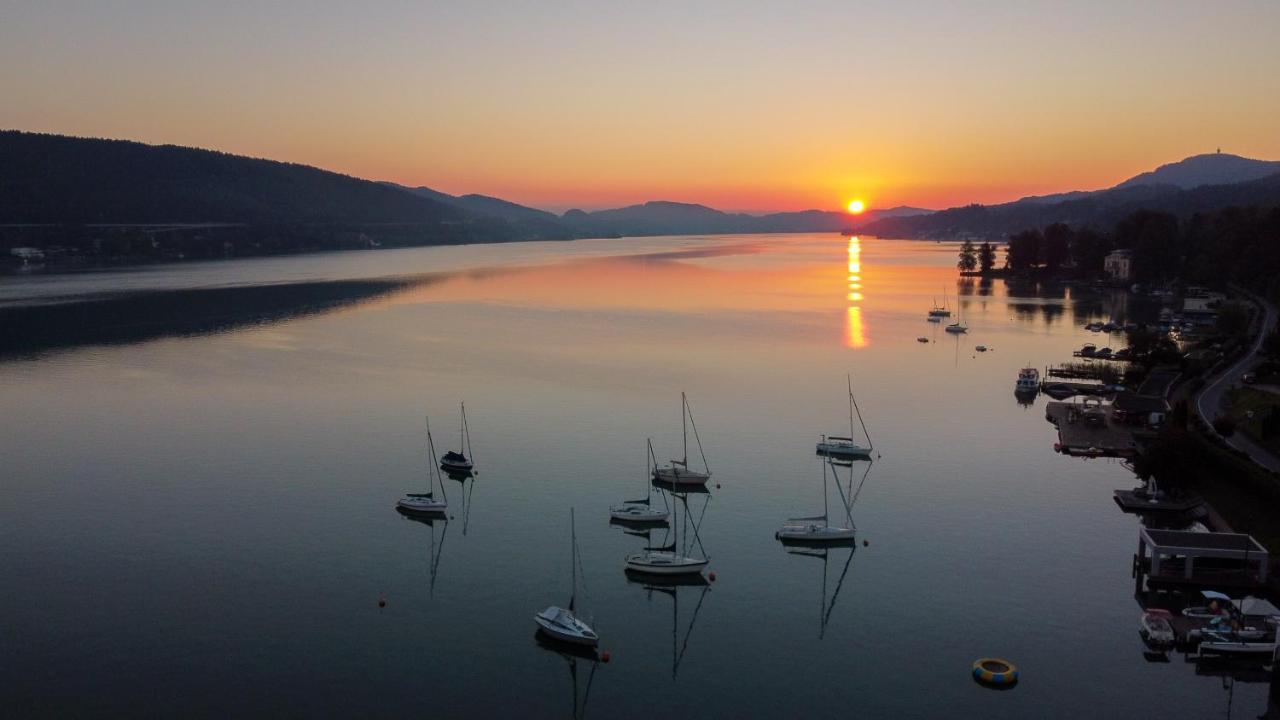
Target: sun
[(857, 206)]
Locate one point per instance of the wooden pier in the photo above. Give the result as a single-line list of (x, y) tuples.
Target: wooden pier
[(1088, 430)]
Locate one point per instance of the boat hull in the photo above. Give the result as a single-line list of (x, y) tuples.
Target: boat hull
[(422, 506), (637, 514), (843, 450), (676, 476), (576, 633), (664, 563), (814, 533)]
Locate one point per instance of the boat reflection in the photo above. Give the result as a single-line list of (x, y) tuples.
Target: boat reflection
[(824, 553), (468, 488), (436, 549), (672, 586), (572, 655)]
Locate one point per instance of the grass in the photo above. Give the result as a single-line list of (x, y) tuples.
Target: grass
[(1248, 406)]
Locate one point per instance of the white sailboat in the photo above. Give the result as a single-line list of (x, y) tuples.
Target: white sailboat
[(939, 312), (838, 446), (818, 529), (642, 510), (427, 502), (460, 461), (677, 472), (958, 326), (670, 559), (563, 623)]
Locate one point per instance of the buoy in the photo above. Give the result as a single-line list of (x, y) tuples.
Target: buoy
[(712, 576), (866, 543), (995, 671), (606, 656), (382, 602), (717, 486)]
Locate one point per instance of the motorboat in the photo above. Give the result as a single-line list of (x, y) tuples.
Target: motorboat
[(427, 502), (845, 447), (563, 623), (1155, 629), (459, 462), (678, 472), (1028, 380)]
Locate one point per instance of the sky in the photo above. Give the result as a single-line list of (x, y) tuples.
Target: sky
[(753, 106)]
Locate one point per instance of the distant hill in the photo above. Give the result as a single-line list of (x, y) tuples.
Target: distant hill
[(1199, 183), (57, 179), (1101, 209), (674, 218), (528, 223), (1200, 170)]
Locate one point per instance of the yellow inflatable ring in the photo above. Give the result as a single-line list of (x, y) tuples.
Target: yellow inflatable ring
[(995, 671)]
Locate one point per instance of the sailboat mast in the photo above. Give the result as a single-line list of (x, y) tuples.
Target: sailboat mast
[(573, 558), (849, 384), (684, 427), (825, 514)]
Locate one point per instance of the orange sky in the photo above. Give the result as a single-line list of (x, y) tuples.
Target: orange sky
[(737, 105)]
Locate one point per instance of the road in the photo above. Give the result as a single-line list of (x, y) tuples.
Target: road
[(1210, 398)]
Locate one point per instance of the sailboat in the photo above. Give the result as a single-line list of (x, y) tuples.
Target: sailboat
[(426, 502), (642, 510), (818, 529), (837, 446), (677, 472), (958, 326), (668, 560), (459, 462), (939, 312), (563, 624)]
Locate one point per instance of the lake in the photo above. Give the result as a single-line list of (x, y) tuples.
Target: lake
[(199, 520)]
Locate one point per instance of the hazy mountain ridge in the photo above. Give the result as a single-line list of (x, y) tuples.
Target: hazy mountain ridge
[(1182, 188)]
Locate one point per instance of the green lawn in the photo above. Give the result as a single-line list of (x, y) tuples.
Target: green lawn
[(1245, 401)]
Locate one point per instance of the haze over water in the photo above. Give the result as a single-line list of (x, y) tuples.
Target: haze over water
[(204, 525)]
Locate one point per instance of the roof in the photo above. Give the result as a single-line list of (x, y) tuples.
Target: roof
[(1228, 542), (1133, 403)]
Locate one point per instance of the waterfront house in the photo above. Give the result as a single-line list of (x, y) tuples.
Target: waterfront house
[(1134, 409), (1119, 265)]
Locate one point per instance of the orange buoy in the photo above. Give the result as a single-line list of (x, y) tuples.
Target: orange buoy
[(606, 656)]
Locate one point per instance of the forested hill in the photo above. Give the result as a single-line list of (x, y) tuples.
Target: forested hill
[(58, 179)]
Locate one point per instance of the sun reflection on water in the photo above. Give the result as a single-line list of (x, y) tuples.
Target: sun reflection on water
[(854, 333)]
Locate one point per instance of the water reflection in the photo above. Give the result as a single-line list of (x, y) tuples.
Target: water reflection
[(671, 586), (824, 608), (855, 335), (435, 550), (572, 654)]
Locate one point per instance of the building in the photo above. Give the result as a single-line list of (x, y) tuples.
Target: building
[(1133, 409), (1119, 265)]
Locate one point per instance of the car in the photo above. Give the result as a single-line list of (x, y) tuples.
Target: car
[(1249, 378)]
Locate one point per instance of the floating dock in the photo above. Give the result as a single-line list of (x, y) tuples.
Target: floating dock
[(1138, 501), (1088, 431)]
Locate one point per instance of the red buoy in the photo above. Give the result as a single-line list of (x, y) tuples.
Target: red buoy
[(382, 601), (712, 576), (866, 543), (606, 656)]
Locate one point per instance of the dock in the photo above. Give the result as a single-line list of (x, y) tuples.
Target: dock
[(1182, 558), (1088, 430), (1139, 502)]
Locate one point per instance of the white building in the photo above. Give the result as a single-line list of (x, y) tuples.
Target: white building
[(1119, 265)]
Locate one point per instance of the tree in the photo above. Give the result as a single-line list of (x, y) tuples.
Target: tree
[(1056, 247), (1271, 345), (986, 257), (1089, 249), (1153, 238), (1023, 252), (968, 257), (1233, 319)]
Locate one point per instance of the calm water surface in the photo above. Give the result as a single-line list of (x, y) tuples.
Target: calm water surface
[(203, 526)]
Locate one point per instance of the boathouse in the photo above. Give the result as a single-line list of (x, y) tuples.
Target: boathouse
[(1133, 409), (1182, 557)]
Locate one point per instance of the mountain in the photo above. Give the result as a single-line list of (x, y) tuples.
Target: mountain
[(58, 179), (673, 218), (1199, 183), (481, 204), (1200, 170), (1100, 209)]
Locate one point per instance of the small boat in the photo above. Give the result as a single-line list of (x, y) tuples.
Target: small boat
[(1094, 327), (458, 462), (562, 623), (1219, 605), (1155, 629), (677, 472), (1028, 380), (837, 446), (980, 348), (1229, 644), (940, 311), (1104, 353), (642, 510), (922, 339), (426, 503), (818, 529), (934, 319), (1088, 350), (668, 559)]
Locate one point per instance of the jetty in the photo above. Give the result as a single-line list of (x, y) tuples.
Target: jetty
[(1140, 502), (1087, 429), (1183, 558)]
